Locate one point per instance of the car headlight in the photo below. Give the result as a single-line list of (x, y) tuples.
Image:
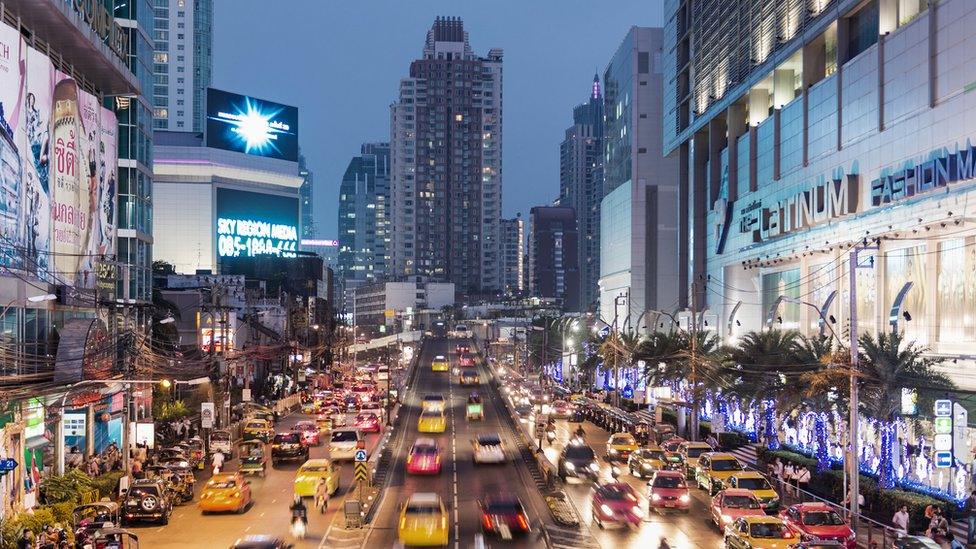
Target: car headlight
[(655, 497), (613, 450), (684, 498), (594, 467), (726, 519), (570, 466), (852, 537), (606, 510), (637, 511)]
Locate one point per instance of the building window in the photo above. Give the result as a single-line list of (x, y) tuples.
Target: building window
[(862, 30)]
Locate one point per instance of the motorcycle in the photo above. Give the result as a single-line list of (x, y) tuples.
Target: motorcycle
[(298, 528)]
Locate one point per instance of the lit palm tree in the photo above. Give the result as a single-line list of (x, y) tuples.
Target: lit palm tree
[(817, 387), (887, 366), (618, 350), (764, 364)]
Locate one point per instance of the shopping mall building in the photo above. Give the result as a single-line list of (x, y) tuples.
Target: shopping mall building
[(810, 129)]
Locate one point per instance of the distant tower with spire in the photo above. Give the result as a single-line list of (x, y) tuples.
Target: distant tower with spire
[(581, 186)]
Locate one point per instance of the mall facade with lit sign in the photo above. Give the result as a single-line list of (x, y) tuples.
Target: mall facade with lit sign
[(850, 125), (232, 192)]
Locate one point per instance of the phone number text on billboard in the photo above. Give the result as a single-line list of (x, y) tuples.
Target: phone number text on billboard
[(249, 238)]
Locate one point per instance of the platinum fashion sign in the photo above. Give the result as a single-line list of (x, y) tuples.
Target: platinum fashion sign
[(827, 200), (925, 177)]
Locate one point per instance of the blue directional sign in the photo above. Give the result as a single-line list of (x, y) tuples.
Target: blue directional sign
[(943, 408), (360, 455), (943, 459), (605, 331), (7, 465)]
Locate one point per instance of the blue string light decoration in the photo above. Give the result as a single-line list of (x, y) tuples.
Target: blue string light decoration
[(820, 432), (769, 425)]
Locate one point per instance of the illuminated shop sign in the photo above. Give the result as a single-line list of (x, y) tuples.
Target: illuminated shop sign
[(826, 200), (925, 177), (251, 126), (250, 224)]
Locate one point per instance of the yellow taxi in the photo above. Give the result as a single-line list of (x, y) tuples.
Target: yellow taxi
[(756, 483), (314, 471), (225, 492), (440, 364), (423, 521), (714, 471), (432, 422), (620, 446), (258, 429), (691, 451), (323, 422), (759, 533)]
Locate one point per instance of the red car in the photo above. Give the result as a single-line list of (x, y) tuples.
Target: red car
[(424, 458), (503, 514), (733, 503), (462, 349), (466, 359), (616, 503), (368, 423), (818, 521), (668, 490), (309, 431)]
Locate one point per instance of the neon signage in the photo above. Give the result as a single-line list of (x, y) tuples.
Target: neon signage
[(251, 238)]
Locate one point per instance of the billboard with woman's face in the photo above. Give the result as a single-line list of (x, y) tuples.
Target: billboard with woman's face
[(59, 169)]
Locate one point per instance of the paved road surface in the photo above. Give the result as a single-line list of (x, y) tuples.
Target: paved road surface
[(269, 514), (461, 483)]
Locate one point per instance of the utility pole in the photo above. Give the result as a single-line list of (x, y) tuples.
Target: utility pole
[(693, 424), (853, 428)]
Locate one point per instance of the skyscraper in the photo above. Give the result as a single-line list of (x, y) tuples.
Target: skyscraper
[(581, 186), (513, 255), (553, 263), (307, 194), (182, 63), (364, 234), (135, 145), (639, 218), (446, 130)]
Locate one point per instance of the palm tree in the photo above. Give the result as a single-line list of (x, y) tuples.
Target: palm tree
[(618, 350), (816, 387), (765, 364), (887, 366)]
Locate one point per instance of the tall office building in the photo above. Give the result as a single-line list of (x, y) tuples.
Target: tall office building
[(307, 193), (135, 189), (553, 263), (639, 239), (808, 134), (182, 63), (513, 255), (364, 233), (581, 186), (446, 130)]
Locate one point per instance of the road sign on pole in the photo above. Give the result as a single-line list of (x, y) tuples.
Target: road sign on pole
[(360, 456), (361, 473), (206, 415)]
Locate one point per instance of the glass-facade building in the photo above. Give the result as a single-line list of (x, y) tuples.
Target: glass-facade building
[(135, 115), (364, 215), (807, 134), (183, 63)]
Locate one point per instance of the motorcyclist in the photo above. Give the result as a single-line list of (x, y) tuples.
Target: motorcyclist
[(299, 511), (580, 432)]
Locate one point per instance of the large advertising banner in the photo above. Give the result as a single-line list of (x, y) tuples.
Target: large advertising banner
[(57, 212), (251, 126), (255, 224)]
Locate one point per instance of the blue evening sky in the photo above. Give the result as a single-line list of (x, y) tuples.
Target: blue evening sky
[(340, 63)]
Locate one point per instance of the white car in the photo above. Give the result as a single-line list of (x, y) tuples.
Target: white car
[(343, 443), (488, 449), (433, 403)]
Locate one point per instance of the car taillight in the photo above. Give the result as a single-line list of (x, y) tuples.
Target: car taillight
[(237, 494), (409, 459), (437, 460), (522, 522), (444, 522), (486, 519), (403, 522), (787, 534)]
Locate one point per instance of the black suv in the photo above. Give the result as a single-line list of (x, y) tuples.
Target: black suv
[(147, 500), (579, 461), (288, 446)]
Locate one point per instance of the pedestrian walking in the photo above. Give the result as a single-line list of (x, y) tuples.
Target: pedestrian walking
[(803, 479), (938, 526), (218, 462), (969, 510), (900, 519)]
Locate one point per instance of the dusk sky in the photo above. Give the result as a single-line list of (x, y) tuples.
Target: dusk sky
[(340, 63)]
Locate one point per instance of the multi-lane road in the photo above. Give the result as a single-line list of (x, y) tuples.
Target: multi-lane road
[(460, 484)]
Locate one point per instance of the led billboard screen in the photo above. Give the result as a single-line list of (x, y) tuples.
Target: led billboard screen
[(251, 126), (250, 224), (58, 157)]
